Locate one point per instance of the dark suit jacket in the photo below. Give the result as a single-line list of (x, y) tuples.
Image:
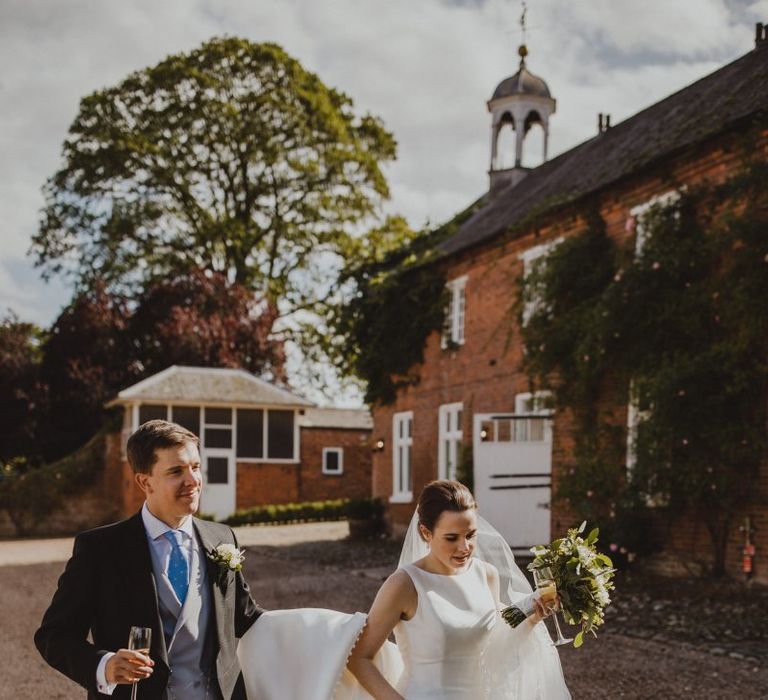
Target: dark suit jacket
[(108, 586)]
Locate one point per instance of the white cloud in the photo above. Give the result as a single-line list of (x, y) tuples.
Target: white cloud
[(425, 67)]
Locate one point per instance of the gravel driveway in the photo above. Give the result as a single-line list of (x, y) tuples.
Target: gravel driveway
[(312, 565)]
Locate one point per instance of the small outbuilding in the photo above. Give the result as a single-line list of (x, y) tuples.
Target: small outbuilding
[(259, 443)]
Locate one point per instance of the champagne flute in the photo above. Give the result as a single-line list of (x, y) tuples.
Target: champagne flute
[(139, 639), (545, 584)]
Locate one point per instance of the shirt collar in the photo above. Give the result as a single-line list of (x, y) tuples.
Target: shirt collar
[(157, 528)]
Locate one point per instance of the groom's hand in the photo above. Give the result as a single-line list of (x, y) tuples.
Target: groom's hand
[(128, 666)]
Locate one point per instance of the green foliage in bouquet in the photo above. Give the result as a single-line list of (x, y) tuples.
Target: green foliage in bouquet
[(583, 577)]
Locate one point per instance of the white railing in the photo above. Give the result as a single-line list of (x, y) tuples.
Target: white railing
[(516, 428)]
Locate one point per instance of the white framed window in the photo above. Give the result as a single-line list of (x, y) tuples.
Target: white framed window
[(333, 460), (453, 332), (267, 435), (533, 411), (402, 448), (637, 213), (217, 428), (450, 435), (531, 258), (635, 416), (537, 403), (150, 411)]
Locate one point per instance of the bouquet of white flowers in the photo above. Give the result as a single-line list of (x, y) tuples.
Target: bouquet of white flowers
[(584, 579)]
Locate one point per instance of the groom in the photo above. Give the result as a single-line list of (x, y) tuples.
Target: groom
[(152, 570)]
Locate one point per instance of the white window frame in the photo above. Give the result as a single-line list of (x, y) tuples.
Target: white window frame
[(402, 469), (539, 398), (638, 212), (265, 437), (232, 427), (456, 313), (235, 407), (136, 407), (529, 258), (340, 452), (450, 436), (524, 431), (634, 418)]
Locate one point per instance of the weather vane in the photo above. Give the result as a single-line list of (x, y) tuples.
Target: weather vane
[(522, 22)]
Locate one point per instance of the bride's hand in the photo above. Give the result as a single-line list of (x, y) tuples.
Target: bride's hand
[(540, 611)]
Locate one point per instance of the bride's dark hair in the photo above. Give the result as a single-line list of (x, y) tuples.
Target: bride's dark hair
[(439, 496)]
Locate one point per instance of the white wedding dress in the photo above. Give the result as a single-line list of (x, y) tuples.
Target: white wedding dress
[(455, 647), (443, 643)]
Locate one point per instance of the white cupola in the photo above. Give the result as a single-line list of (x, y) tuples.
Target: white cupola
[(518, 102)]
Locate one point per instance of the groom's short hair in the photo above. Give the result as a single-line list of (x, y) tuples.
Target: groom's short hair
[(154, 435)]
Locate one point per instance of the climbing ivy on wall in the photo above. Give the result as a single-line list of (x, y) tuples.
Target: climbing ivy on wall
[(395, 304), (682, 325)]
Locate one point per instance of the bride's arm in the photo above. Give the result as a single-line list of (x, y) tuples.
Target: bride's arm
[(396, 598), (492, 575)]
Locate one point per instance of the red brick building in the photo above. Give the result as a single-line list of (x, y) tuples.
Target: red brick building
[(260, 444), (472, 391)]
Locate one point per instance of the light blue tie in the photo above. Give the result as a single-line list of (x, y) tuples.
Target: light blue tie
[(178, 570)]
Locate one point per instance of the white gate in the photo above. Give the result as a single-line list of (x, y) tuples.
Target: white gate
[(513, 475)]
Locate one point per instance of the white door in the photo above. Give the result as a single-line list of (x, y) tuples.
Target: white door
[(218, 497), (513, 475)]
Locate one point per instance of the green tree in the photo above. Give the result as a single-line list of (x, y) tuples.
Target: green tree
[(85, 361), (21, 389), (231, 158)]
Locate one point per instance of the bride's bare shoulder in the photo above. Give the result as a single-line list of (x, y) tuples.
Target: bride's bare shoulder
[(397, 594), (400, 581)]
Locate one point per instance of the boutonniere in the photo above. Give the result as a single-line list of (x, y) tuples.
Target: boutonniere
[(226, 558)]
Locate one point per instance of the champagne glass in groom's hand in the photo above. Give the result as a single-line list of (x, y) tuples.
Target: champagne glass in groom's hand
[(139, 639)]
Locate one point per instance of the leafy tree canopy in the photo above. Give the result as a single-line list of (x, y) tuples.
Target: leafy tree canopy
[(99, 345), (21, 391), (231, 158)]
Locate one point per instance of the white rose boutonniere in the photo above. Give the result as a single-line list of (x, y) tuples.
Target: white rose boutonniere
[(226, 557)]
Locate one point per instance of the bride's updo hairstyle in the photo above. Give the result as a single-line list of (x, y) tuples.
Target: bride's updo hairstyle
[(440, 496)]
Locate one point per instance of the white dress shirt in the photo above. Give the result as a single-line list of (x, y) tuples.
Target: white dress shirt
[(160, 551)]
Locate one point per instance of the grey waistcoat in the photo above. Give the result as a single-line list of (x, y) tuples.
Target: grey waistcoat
[(189, 632)]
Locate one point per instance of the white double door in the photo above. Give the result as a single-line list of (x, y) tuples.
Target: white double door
[(219, 482)]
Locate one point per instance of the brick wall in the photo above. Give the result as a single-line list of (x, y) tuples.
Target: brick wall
[(353, 482), (259, 484), (96, 504), (485, 373), (132, 495), (262, 484), (688, 548)]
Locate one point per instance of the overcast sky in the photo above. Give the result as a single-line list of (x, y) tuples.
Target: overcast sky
[(426, 67)]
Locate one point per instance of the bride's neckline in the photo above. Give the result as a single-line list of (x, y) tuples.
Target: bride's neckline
[(469, 566)]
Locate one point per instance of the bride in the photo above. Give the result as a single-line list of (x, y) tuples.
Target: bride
[(455, 574)]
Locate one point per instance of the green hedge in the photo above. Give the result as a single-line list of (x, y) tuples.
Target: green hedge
[(310, 511)]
